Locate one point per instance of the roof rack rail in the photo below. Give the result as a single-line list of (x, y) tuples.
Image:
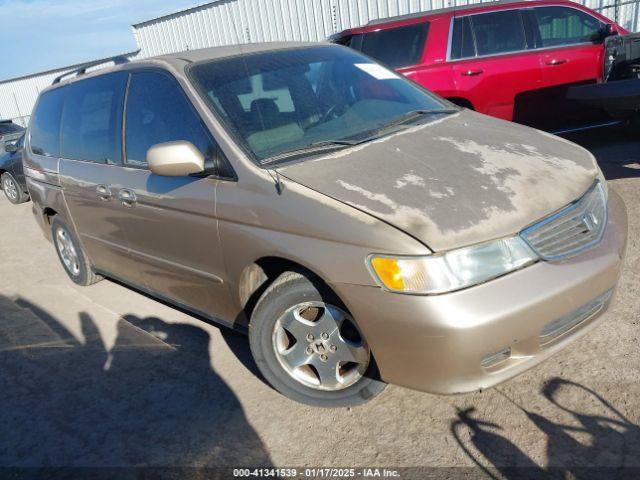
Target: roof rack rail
[(82, 69), (437, 11)]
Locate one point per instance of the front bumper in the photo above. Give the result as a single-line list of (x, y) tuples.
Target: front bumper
[(452, 343)]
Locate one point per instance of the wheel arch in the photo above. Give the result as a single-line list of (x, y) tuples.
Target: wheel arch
[(48, 213), (261, 273), (461, 102)]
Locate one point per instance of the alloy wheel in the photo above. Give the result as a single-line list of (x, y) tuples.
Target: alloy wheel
[(320, 346), (67, 252), (10, 188)]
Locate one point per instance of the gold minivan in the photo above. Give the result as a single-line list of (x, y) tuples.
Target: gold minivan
[(360, 229)]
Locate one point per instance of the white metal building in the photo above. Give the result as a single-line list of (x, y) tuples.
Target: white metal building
[(225, 22), (19, 95)]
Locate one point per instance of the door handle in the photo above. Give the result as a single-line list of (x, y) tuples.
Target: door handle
[(104, 193), (472, 73), (557, 61), (127, 197)]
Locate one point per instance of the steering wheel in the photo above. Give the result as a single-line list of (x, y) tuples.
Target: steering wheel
[(330, 114)]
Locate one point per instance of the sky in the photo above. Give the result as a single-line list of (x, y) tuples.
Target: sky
[(37, 35)]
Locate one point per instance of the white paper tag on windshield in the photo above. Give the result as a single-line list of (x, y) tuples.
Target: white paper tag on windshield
[(377, 71)]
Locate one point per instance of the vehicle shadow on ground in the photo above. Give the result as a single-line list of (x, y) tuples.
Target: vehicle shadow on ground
[(236, 340), (152, 400), (582, 446), (617, 153)]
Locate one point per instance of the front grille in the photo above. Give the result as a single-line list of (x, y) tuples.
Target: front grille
[(573, 229), (559, 327)]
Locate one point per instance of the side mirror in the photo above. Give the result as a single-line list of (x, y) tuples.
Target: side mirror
[(10, 147), (604, 32), (175, 159)]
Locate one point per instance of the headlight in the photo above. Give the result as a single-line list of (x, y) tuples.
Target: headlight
[(453, 270), (603, 182)]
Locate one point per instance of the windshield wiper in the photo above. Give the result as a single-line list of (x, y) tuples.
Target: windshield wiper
[(313, 148), (332, 145), (415, 114), (403, 120)]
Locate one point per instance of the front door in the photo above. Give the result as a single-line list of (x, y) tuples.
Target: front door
[(571, 50), (15, 163), (171, 225)]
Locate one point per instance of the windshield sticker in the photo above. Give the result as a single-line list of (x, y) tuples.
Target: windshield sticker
[(377, 71)]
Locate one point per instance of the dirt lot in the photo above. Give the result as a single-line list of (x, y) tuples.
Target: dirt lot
[(104, 376)]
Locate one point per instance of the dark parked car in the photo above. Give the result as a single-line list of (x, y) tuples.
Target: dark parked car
[(12, 180), (619, 93), (9, 132)]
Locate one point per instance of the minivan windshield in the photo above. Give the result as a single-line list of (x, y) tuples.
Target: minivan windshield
[(289, 102)]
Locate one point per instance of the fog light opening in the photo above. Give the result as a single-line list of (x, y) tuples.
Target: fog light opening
[(496, 358)]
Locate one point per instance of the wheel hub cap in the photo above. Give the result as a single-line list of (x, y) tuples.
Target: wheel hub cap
[(67, 252), (319, 346), (10, 188)]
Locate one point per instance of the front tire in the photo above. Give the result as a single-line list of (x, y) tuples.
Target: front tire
[(12, 190), (71, 255), (308, 346)]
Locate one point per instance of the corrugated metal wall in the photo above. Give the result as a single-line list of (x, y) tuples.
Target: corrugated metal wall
[(17, 97), (242, 21), (225, 22)]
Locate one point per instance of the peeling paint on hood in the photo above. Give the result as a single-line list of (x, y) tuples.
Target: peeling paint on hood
[(464, 179)]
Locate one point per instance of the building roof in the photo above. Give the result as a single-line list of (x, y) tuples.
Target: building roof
[(176, 14)]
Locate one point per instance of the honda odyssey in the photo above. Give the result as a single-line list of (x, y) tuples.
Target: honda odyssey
[(360, 229)]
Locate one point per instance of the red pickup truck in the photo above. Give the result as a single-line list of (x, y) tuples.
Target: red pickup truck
[(510, 59)]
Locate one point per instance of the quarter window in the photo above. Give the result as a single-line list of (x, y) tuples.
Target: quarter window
[(157, 112), (45, 130), (395, 47), (92, 119), (462, 44), (565, 26), (498, 32)]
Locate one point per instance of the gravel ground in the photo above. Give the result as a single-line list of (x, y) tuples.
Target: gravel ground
[(104, 376)]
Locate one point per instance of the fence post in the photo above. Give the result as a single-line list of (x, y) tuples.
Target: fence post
[(15, 99)]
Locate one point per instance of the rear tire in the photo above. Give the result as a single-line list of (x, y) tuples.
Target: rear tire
[(311, 360), (71, 255), (12, 190)]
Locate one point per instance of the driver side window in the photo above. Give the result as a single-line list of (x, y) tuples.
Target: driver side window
[(157, 112), (565, 26)]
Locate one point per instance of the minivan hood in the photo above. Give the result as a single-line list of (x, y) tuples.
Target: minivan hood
[(459, 180)]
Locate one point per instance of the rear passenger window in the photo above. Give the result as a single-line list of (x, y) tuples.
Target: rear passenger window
[(158, 111), (92, 119), (45, 130), (498, 32), (462, 44), (395, 47), (565, 26)]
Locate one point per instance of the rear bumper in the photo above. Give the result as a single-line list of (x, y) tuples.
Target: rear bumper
[(451, 343), (619, 98)]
